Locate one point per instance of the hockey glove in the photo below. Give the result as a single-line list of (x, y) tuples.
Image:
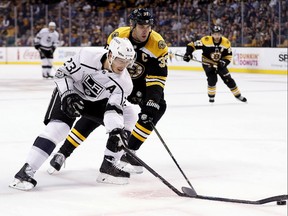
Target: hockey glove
[(117, 138), (135, 98), (37, 46), (72, 105), (187, 57), (148, 111), (222, 64)]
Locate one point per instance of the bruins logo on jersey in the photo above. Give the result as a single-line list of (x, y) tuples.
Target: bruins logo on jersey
[(136, 70), (216, 55), (161, 44)]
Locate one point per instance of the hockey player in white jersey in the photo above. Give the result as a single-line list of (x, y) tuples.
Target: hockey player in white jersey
[(95, 83), (46, 41)]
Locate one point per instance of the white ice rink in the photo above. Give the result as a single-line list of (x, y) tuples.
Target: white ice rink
[(229, 149)]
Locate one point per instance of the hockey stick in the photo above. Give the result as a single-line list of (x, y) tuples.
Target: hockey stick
[(171, 155), (196, 60), (189, 193), (127, 150)]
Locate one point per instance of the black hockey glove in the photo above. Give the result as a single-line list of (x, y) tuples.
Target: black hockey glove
[(135, 98), (117, 138), (72, 105), (187, 57), (148, 111), (37, 46), (222, 64)]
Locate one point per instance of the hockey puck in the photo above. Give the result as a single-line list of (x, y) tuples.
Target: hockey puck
[(281, 202)]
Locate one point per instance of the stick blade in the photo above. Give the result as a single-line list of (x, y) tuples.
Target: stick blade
[(189, 192)]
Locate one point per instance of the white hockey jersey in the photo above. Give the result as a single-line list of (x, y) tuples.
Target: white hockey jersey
[(47, 39), (84, 74)]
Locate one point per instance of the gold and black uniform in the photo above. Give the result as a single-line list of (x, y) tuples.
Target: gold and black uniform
[(218, 55), (148, 74)]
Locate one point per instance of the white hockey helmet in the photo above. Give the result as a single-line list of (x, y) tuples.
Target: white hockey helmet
[(52, 24), (123, 49)]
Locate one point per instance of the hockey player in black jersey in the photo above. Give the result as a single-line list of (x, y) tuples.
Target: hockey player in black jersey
[(148, 74), (94, 83), (216, 55)]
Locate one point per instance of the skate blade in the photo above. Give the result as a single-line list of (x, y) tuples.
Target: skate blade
[(21, 185), (51, 170)]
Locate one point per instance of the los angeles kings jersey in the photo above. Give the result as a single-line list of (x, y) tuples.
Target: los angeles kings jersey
[(212, 52), (47, 39), (149, 71), (84, 74)]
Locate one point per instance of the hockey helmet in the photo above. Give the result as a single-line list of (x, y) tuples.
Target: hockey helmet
[(52, 24), (216, 29), (141, 16), (123, 49)]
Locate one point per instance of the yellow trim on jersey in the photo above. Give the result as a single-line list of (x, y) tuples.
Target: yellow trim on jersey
[(72, 141), (142, 139), (140, 127), (79, 135), (155, 83), (155, 44), (156, 77), (208, 42)]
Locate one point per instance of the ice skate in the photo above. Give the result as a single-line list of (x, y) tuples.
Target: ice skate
[(24, 179), (56, 163), (241, 98), (111, 173), (129, 164), (211, 99)]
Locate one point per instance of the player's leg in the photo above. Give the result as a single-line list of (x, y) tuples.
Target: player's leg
[(231, 84), (211, 80), (78, 134), (57, 128), (111, 171)]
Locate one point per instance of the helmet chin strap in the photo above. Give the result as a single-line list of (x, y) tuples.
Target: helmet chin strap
[(109, 62)]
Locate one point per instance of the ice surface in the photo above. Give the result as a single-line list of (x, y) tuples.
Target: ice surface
[(226, 149)]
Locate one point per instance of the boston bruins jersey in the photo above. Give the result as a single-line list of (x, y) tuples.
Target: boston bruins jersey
[(212, 52), (149, 71), (84, 74)]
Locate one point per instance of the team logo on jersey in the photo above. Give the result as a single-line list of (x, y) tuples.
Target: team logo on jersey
[(91, 87), (136, 70), (216, 55), (59, 74), (161, 44)]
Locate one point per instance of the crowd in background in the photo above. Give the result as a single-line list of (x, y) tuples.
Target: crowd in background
[(88, 23)]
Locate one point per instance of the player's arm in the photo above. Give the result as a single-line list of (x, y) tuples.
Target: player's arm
[(156, 78), (226, 56), (71, 103), (113, 116), (190, 48)]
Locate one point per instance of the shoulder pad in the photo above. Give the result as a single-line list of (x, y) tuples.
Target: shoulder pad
[(225, 43), (156, 44), (207, 40), (120, 32)]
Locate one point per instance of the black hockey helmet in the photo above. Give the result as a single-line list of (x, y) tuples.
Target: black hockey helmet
[(216, 29), (141, 16)]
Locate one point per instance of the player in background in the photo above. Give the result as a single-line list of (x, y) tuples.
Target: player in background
[(46, 41), (217, 54), (148, 74), (94, 83)]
